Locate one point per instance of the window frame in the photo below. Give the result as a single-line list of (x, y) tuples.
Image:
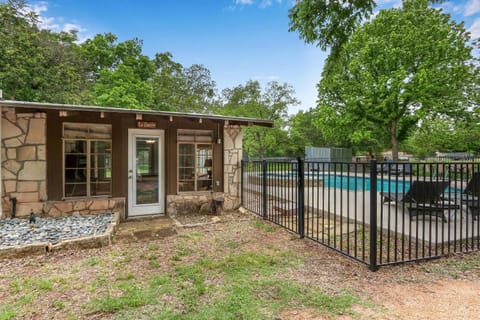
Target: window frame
[(88, 167), (196, 166)]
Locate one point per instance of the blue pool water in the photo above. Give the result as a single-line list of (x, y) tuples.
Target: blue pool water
[(363, 183), (352, 182), (358, 183)]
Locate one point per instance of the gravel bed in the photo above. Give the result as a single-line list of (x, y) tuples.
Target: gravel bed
[(14, 232)]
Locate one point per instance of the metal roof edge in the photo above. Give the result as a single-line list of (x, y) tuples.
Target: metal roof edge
[(73, 107)]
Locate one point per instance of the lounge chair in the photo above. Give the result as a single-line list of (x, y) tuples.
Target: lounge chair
[(470, 196), (423, 198)]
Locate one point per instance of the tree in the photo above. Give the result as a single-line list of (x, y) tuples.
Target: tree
[(445, 135), (38, 65), (330, 23), (303, 133), (271, 104), (122, 88), (399, 68), (182, 89), (121, 76), (167, 81)]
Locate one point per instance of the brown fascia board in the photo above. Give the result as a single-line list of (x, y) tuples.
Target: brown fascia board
[(71, 107)]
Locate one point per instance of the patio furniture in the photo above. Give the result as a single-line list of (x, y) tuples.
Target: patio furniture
[(470, 196), (423, 198)]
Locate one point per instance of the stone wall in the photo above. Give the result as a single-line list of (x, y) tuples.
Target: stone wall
[(232, 157), (74, 207), (188, 203), (23, 153)]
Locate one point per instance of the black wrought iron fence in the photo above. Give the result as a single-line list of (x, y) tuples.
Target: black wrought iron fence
[(375, 213)]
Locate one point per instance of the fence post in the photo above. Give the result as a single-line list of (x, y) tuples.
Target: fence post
[(242, 186), (373, 215), (300, 197), (264, 188)]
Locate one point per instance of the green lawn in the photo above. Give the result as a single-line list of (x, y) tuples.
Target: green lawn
[(194, 275)]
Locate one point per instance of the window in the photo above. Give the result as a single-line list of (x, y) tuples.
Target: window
[(87, 156), (195, 160)]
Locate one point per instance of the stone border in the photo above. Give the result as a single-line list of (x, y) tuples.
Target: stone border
[(88, 242)]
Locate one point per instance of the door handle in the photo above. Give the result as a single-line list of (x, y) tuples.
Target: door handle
[(129, 177)]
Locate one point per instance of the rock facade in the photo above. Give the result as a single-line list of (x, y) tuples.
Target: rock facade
[(232, 157), (23, 152), (24, 172), (81, 207), (187, 203)]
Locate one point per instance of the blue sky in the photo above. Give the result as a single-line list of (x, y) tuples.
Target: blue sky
[(237, 40)]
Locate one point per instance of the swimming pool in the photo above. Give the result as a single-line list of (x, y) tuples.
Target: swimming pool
[(358, 183), (362, 183), (352, 183)]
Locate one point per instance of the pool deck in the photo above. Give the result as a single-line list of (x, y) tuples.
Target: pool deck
[(355, 206)]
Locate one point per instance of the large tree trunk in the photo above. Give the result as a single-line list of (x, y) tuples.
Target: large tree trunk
[(394, 140)]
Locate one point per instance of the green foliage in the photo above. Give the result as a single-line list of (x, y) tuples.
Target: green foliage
[(45, 66), (444, 135), (403, 66), (303, 133), (328, 23), (251, 101), (38, 65)]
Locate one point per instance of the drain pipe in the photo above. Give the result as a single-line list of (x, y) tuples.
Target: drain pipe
[(14, 206)]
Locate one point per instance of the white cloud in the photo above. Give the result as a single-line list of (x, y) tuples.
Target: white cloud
[(262, 4), (472, 7), (475, 29), (67, 27), (244, 2), (265, 3), (57, 24)]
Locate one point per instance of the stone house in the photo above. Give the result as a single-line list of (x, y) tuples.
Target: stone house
[(73, 160)]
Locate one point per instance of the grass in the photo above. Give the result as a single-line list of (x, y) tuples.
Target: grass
[(454, 268), (197, 276), (239, 285), (7, 312), (263, 226)]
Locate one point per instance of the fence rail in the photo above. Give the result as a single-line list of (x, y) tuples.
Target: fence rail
[(375, 213)]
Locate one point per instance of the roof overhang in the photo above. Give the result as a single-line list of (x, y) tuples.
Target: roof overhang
[(40, 106)]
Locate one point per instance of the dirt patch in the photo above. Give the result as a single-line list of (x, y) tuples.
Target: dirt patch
[(446, 299)]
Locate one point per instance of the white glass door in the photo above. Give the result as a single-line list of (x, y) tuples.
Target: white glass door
[(146, 172)]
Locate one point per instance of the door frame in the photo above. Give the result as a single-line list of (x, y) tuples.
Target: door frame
[(145, 209)]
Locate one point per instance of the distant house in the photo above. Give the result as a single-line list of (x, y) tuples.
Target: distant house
[(68, 159)]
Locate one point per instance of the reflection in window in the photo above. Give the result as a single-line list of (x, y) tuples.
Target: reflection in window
[(195, 163), (87, 159)]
